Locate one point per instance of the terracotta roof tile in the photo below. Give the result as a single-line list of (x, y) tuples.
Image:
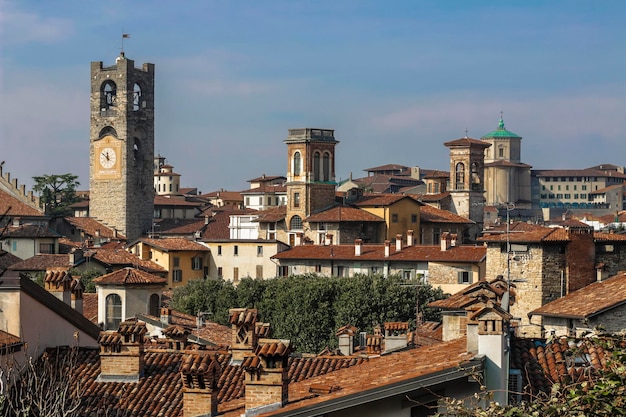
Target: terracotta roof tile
[(274, 214), (588, 301), (122, 258), (175, 244), (7, 259), (7, 340), (126, 276), (93, 227), (370, 200), (13, 207), (42, 263), (430, 214), (343, 214), (30, 230), (90, 307), (377, 252), (576, 173)]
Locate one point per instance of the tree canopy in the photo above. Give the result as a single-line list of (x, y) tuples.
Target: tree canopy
[(308, 309), (56, 192)]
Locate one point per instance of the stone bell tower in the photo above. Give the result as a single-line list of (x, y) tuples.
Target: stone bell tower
[(121, 146)]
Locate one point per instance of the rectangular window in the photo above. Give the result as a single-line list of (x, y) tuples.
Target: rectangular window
[(374, 270), (247, 201), (567, 195), (575, 196), (235, 274), (340, 271), (219, 272), (583, 187), (464, 277), (567, 188), (236, 250), (269, 201), (543, 187), (196, 263), (436, 235), (14, 245), (559, 196), (583, 196), (413, 218), (219, 250), (177, 275), (544, 196), (296, 199), (551, 187), (259, 272), (176, 261), (394, 218), (283, 271), (318, 268), (259, 250), (46, 248), (558, 187), (406, 274)]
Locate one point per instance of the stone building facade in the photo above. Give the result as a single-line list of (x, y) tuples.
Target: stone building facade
[(122, 146)]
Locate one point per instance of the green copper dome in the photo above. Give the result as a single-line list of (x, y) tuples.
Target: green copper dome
[(501, 132)]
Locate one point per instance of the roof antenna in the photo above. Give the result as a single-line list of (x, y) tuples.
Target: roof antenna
[(465, 133)]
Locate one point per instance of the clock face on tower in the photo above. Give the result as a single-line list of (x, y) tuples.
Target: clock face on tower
[(107, 158)]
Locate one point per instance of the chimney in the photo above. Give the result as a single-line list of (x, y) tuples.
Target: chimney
[(122, 353), (445, 241), (77, 294), (243, 322), (453, 238), (387, 245), (267, 379), (329, 239), (398, 242), (67, 288), (166, 316), (492, 339), (345, 336), (375, 342), (396, 334), (358, 247), (200, 372), (409, 238), (16, 222), (299, 238)]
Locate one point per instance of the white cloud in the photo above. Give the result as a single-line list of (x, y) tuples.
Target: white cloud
[(19, 27)]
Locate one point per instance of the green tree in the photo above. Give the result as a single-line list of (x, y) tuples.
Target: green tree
[(56, 192), (207, 295), (87, 277)]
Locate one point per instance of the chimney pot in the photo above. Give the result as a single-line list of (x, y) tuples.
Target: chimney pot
[(358, 247), (398, 242), (387, 248), (409, 238)]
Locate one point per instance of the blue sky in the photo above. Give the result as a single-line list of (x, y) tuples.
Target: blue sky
[(395, 79)]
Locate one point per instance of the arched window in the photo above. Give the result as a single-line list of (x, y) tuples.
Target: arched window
[(107, 131), (136, 97), (316, 166), (297, 163), (295, 223), (113, 312), (326, 167), (108, 95), (154, 304), (459, 176)]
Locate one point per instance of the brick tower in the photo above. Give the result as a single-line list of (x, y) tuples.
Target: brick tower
[(121, 146), (467, 180), (310, 175)]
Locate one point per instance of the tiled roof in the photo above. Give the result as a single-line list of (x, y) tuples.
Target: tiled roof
[(591, 300), (608, 237), (121, 257), (388, 167), (505, 163), (432, 174), (30, 231), (13, 207), (377, 252), (463, 142), (90, 306), (370, 200), (179, 226), (161, 200), (218, 225), (274, 214), (225, 195), (129, 276), (430, 214), (343, 214), (265, 189), (477, 293), (175, 244), (213, 332), (432, 198), (267, 178), (159, 391), (576, 173), (7, 340), (42, 263), (521, 232), (559, 361), (93, 227), (378, 373), (7, 259)]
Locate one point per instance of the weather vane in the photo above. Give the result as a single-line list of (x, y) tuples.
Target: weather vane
[(124, 36)]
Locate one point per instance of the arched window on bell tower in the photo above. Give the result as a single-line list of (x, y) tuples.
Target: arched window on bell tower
[(136, 97), (108, 95), (316, 166), (326, 167), (295, 223), (459, 173), (297, 164)]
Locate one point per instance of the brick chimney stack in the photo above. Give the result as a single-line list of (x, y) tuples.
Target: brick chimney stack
[(243, 322), (77, 294), (166, 316), (122, 352), (375, 342), (387, 248), (200, 372), (267, 376), (396, 334)]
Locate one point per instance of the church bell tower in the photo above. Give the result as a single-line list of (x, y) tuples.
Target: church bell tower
[(121, 146)]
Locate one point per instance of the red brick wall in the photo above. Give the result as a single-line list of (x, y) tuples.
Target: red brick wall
[(580, 258)]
